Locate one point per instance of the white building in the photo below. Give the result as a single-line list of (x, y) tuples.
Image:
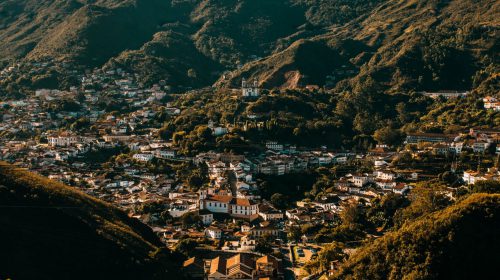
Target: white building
[(447, 94), (213, 233), (216, 203), (274, 145), (269, 213), (250, 89), (165, 154), (236, 207), (244, 208), (219, 131), (471, 177), (158, 95), (62, 141), (178, 211), (143, 157), (206, 217), (491, 103), (384, 175), (480, 147), (361, 180)]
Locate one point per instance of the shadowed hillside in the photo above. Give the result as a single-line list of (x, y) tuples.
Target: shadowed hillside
[(60, 233), (459, 242)]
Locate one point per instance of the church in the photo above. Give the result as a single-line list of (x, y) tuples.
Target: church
[(250, 89)]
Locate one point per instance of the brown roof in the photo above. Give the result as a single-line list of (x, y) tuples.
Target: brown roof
[(233, 260), (220, 198), (242, 202), (237, 259), (266, 259), (192, 261), (218, 265), (400, 186), (213, 228), (189, 262)]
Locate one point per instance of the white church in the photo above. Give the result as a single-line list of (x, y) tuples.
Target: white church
[(250, 89)]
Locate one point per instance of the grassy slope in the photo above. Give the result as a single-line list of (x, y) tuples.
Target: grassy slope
[(24, 23), (402, 44), (94, 33), (51, 231), (392, 46), (459, 242)]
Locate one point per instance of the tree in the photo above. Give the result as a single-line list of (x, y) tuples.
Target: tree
[(488, 186), (382, 211), (185, 246), (264, 244), (329, 253), (79, 124), (352, 215), (178, 137), (402, 113), (294, 234), (190, 218), (203, 132), (448, 177), (165, 133), (166, 217), (195, 180), (191, 73), (424, 199), (388, 135), (151, 207), (364, 123), (279, 200)]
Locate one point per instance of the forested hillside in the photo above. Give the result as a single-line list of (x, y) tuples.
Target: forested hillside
[(52, 231), (403, 45), (459, 242)]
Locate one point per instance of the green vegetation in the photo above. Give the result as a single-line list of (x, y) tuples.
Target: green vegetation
[(404, 45), (330, 253), (458, 114), (486, 187), (186, 246), (77, 235), (458, 242), (350, 120), (264, 244)]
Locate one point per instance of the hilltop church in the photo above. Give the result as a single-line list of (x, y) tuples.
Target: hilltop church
[(250, 89)]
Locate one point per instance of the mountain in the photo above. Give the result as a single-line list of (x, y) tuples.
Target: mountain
[(403, 45), (89, 32), (187, 42), (60, 233), (459, 242), (426, 45)]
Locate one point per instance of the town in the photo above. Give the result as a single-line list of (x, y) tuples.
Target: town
[(225, 211)]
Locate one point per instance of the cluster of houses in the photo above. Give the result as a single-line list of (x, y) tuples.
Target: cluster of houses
[(491, 103), (230, 208), (238, 266), (32, 113), (471, 177), (270, 163), (476, 140)]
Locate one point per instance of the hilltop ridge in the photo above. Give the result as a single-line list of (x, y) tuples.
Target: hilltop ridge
[(288, 44)]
